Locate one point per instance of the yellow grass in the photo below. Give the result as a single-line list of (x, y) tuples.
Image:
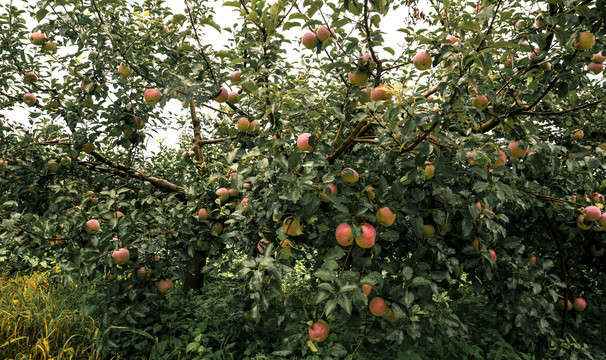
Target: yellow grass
[(41, 320)]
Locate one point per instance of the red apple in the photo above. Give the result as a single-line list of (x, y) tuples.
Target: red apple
[(451, 40), (493, 255), (350, 176), (561, 303), (37, 38), (515, 149), (254, 127), (323, 33), (385, 216), (358, 78), (232, 97), (480, 102), (597, 198), (152, 96), (344, 234), (243, 124), (584, 41), (165, 286), (309, 40), (333, 192), (598, 58), (303, 142), (428, 171), (217, 228), (368, 58), (595, 68), (120, 256), (532, 260), (367, 238), (29, 99), (367, 289), (49, 47), (577, 134), (92, 226), (30, 77), (422, 60), (508, 63), (203, 214), (142, 273), (319, 331), (235, 77), (222, 193), (378, 307), (223, 95), (592, 213), (381, 92), (579, 304), (118, 214)]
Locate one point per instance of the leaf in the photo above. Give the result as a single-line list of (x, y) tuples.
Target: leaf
[(325, 274), (345, 302)]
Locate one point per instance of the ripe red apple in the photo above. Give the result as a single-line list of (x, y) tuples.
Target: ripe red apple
[(152, 96), (493, 255), (370, 193), (358, 78), (579, 304), (319, 331), (480, 102), (3, 165), (235, 76), (595, 68), (120, 256), (165, 286), (597, 198), (309, 40), (429, 231), (367, 238), (243, 124), (29, 99), (223, 96), (203, 214), (222, 193), (532, 260), (232, 97), (37, 38), (30, 77), (385, 216), (124, 70), (584, 41), (515, 149), (561, 303), (344, 234), (422, 60), (451, 40), (138, 123), (118, 214), (429, 170), (501, 160), (292, 226), (592, 213), (381, 92), (244, 202), (367, 289), (142, 273), (49, 47), (378, 307), (508, 63), (260, 247), (323, 33), (368, 58), (349, 176), (577, 134), (92, 226), (333, 192), (303, 142), (598, 58), (254, 127)]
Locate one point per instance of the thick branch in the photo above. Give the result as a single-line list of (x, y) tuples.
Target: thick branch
[(214, 141)]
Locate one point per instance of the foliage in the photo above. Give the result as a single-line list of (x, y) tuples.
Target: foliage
[(470, 211)]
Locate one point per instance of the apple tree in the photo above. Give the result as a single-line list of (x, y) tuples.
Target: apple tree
[(366, 197)]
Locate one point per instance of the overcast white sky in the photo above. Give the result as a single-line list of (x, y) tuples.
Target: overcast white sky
[(225, 16)]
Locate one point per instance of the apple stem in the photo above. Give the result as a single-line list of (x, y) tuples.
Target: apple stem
[(364, 337)]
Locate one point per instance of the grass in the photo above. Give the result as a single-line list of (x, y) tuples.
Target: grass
[(41, 320)]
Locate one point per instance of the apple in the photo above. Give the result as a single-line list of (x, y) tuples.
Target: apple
[(581, 223), (233, 192), (451, 40), (333, 192), (349, 176), (118, 214), (367, 238), (124, 70), (595, 68), (138, 123), (323, 33), (292, 226), (577, 134), (53, 167), (165, 286), (222, 193), (534, 52), (30, 77), (49, 47), (29, 99), (232, 97), (254, 127), (480, 102), (381, 92), (260, 247), (344, 234), (385, 216), (152, 96), (246, 185), (309, 40), (428, 171), (370, 193), (532, 260), (584, 41), (597, 198), (303, 142), (203, 214), (367, 289), (223, 96), (602, 146), (243, 124), (37, 38), (92, 226), (319, 331), (235, 77), (561, 303), (592, 213), (579, 304), (493, 255), (65, 161), (244, 202), (501, 160), (429, 231), (378, 307), (598, 58), (217, 228), (358, 78), (515, 149), (3, 165), (120, 256), (508, 63), (368, 58), (597, 252), (88, 147), (422, 60), (540, 21)]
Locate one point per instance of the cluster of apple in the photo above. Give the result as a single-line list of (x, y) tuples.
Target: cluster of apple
[(47, 46), (592, 217), (54, 166), (230, 96), (596, 65), (310, 39), (245, 125), (224, 194), (579, 304)]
